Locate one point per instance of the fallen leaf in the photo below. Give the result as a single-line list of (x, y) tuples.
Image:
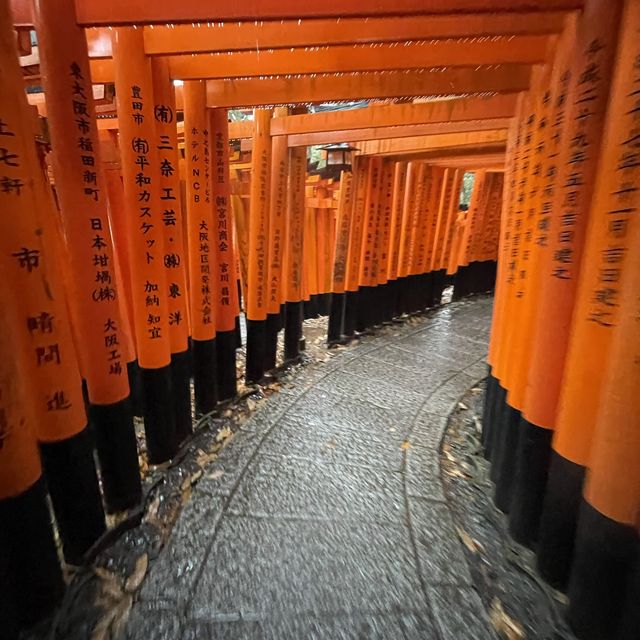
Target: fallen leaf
[(120, 617), (135, 579), (224, 434), (473, 545), (332, 444), (216, 474), (102, 630), (505, 625), (405, 445), (463, 406), (392, 429)]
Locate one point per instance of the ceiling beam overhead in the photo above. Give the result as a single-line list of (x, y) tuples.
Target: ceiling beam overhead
[(469, 156), (437, 141), (382, 133), (377, 115), (248, 36), (393, 84), (349, 58), (118, 12)]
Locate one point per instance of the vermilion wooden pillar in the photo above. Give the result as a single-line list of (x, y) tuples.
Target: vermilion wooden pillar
[(143, 205), (95, 300)]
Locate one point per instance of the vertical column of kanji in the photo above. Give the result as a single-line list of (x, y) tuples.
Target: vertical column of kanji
[(485, 250), (32, 581), (143, 206), (453, 204), (365, 300), (110, 157), (226, 289), (495, 394), (294, 252), (423, 281), (549, 369), (257, 291), (30, 259), (277, 220), (413, 234), (438, 231), (431, 220), (358, 190), (507, 418), (200, 239), (517, 460), (405, 236), (174, 258), (94, 303), (399, 179), (607, 541), (339, 268), (385, 301), (34, 337), (377, 302), (538, 206), (310, 265)]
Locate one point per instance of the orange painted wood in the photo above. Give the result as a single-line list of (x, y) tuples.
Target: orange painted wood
[(417, 113), (142, 198), (254, 92), (95, 302), (34, 298), (383, 133), (437, 141), (97, 12), (231, 36), (348, 58)]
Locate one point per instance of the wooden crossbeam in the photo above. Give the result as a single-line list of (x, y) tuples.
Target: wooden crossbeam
[(249, 36), (347, 58), (459, 81), (423, 143), (118, 12), (500, 106), (465, 156), (382, 133)]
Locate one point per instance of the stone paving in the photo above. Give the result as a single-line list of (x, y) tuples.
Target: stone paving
[(325, 517)]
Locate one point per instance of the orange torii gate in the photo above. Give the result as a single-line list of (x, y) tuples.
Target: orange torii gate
[(487, 103)]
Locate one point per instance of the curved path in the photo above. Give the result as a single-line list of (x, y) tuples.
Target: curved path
[(324, 517)]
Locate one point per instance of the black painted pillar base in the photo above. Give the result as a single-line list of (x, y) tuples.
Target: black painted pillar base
[(603, 563), (462, 283), (135, 388), (181, 390), (311, 307), (159, 414), (281, 313), (324, 304), (31, 583), (493, 435), (559, 520), (376, 304), (256, 350), (350, 313), (363, 317), (336, 318), (70, 473), (292, 330), (504, 463), (238, 333), (488, 275), (394, 297), (226, 373), (426, 290), (491, 386), (117, 454), (271, 341), (387, 302), (205, 375), (629, 627), (530, 481)]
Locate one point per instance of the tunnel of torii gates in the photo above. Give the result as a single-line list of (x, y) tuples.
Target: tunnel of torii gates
[(136, 222)]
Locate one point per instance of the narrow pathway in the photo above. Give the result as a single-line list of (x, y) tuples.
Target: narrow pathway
[(325, 517)]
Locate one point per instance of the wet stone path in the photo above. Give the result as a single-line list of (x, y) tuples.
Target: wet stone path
[(325, 517)]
